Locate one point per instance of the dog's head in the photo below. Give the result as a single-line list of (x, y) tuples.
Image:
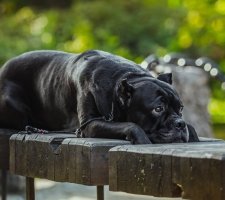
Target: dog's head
[(156, 107)]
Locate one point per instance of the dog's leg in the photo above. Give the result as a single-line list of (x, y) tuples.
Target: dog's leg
[(116, 130), (87, 110), (13, 110)]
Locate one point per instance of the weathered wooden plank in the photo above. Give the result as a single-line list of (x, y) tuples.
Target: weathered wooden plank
[(12, 150), (83, 173), (89, 160), (33, 154), (203, 174), (37, 156), (61, 161), (193, 171), (139, 175), (41, 153), (20, 157), (62, 157), (72, 165)]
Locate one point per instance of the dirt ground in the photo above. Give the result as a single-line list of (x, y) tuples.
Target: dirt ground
[(48, 190)]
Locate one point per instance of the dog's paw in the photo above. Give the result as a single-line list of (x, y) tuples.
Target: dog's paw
[(141, 140), (136, 135)]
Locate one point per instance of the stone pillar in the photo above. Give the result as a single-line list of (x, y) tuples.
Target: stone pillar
[(191, 84)]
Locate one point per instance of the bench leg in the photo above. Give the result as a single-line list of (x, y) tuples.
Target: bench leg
[(4, 183), (100, 192), (30, 190)]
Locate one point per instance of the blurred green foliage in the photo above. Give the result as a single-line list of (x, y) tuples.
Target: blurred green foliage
[(133, 29)]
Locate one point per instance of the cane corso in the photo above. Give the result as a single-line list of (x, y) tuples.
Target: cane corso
[(99, 94)]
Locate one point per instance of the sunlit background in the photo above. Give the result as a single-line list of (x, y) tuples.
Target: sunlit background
[(133, 29)]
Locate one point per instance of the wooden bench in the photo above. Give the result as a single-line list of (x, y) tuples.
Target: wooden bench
[(61, 158), (4, 158), (193, 170)]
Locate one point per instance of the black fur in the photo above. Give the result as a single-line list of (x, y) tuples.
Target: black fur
[(60, 91)]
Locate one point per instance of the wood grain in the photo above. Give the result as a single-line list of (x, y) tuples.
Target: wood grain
[(62, 157), (193, 171)]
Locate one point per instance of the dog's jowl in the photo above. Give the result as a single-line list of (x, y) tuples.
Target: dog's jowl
[(104, 95)]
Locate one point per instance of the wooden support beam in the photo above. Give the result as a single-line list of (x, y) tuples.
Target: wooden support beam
[(193, 170), (100, 192), (30, 189)]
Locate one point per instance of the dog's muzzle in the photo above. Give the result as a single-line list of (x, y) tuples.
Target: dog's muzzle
[(179, 134)]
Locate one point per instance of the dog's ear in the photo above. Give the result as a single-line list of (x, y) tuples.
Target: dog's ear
[(124, 93), (167, 77), (193, 137)]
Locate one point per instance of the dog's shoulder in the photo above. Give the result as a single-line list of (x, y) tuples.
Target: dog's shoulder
[(108, 62), (108, 56)]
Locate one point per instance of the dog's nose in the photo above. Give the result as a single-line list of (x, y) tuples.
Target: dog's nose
[(180, 124)]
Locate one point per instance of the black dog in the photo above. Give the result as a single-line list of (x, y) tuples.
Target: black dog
[(105, 95)]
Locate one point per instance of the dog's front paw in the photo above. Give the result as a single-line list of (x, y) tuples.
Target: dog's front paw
[(136, 135)]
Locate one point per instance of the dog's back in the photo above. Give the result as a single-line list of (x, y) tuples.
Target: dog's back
[(40, 87), (25, 66), (22, 82)]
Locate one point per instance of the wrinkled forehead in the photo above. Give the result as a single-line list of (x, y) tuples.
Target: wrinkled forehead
[(156, 88), (171, 95)]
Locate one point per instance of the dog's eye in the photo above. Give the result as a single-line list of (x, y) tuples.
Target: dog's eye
[(158, 109), (181, 109)]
